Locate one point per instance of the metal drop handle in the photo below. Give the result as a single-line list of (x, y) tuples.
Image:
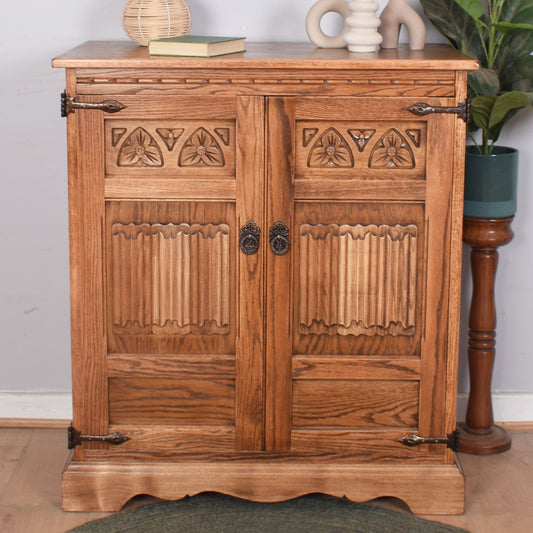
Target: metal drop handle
[(279, 238), (249, 238)]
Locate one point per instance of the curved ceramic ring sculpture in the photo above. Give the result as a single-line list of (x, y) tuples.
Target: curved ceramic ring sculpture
[(314, 16)]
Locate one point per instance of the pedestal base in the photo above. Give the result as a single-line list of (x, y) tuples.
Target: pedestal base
[(426, 489), (495, 440)]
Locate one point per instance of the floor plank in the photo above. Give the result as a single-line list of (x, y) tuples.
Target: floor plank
[(498, 487)]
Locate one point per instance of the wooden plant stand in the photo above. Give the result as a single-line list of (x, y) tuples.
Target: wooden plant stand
[(479, 435)]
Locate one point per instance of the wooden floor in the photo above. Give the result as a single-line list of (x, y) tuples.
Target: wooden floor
[(499, 488)]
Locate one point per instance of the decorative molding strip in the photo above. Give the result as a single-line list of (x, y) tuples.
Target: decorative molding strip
[(258, 81)]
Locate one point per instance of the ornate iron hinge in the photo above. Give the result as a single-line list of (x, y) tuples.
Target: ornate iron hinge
[(463, 110), (75, 438), (451, 441), (69, 105)]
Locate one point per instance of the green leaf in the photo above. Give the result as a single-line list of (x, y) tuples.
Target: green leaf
[(473, 7), (509, 26), (504, 104), (481, 110), (484, 81), (456, 25)]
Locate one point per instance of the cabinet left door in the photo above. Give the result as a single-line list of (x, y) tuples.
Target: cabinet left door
[(167, 340)]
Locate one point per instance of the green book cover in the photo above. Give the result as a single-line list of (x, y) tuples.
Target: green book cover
[(196, 39)]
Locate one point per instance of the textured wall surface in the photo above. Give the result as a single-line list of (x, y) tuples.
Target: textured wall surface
[(34, 314)]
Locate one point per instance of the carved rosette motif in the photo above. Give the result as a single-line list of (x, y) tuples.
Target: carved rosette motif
[(331, 150), (169, 279), (369, 288), (201, 149), (140, 150), (392, 151)]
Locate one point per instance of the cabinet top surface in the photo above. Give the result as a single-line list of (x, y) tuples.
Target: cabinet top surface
[(126, 54)]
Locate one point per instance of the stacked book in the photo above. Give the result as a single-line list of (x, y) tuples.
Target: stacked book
[(196, 46)]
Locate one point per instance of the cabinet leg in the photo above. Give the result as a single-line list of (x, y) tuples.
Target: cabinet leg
[(479, 435)]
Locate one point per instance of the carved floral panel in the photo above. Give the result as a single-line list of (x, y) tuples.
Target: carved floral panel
[(360, 150), (169, 148)]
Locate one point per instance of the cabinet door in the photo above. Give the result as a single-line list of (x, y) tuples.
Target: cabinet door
[(166, 350), (357, 308)]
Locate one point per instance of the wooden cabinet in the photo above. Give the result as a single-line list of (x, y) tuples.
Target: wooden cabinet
[(265, 273)]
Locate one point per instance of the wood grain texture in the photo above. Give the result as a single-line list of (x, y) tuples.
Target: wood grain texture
[(432, 489), (199, 354), (354, 404), (86, 218), (122, 54), (278, 293), (250, 349), (171, 401)]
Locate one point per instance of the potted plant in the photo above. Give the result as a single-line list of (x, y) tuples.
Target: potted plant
[(499, 34)]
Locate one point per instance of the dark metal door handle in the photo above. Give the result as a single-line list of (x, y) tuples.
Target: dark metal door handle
[(249, 238), (279, 238)]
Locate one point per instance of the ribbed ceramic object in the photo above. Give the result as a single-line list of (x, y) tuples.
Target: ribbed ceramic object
[(362, 35), (144, 20)]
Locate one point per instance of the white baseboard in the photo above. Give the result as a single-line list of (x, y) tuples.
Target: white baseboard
[(508, 407), (34, 405)]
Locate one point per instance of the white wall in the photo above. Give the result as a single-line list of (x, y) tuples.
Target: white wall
[(34, 322)]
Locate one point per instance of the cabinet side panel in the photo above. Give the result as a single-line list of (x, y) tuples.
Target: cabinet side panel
[(86, 212)]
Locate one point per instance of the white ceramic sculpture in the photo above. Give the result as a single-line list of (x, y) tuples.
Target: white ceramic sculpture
[(314, 16), (362, 35), (396, 13)]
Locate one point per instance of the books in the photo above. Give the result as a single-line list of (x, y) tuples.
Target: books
[(196, 45)]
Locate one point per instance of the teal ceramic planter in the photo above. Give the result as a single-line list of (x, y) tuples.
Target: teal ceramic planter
[(491, 183)]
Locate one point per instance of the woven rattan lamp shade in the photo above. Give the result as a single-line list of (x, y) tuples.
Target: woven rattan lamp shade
[(144, 20)]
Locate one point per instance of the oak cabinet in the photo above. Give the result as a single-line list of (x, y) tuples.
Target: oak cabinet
[(265, 271)]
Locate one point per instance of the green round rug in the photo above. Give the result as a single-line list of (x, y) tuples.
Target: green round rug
[(216, 513)]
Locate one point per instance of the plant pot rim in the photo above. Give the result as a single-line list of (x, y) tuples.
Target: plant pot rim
[(498, 150)]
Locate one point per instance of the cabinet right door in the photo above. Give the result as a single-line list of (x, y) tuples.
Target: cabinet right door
[(357, 307)]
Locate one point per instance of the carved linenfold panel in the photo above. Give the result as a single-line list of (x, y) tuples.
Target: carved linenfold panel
[(331, 150), (358, 280), (373, 149), (140, 149), (170, 279), (179, 148), (392, 151), (201, 148)]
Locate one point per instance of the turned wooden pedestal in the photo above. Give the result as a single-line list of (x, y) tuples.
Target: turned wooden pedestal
[(479, 435)]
